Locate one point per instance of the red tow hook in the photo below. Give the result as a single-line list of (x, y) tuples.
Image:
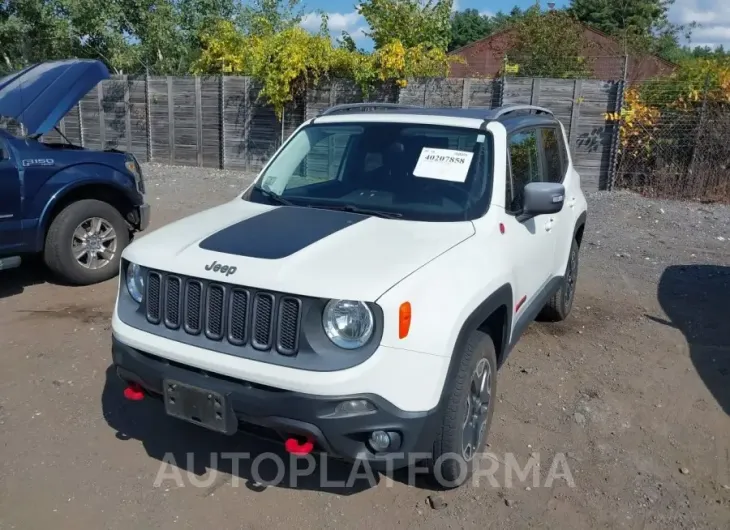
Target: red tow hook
[(293, 446), (134, 392)]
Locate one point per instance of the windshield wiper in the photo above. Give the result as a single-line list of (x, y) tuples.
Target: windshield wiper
[(273, 196), (365, 211)]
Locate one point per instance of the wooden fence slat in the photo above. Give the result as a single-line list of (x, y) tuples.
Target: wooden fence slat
[(171, 119), (102, 124), (575, 114), (127, 113), (199, 118)]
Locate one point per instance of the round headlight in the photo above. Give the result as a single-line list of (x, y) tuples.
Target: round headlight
[(135, 282), (348, 324)]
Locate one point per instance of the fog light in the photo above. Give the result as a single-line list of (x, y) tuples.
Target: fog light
[(354, 407), (380, 440)]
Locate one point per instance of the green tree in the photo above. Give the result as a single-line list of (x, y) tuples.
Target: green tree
[(130, 36), (468, 26), (641, 25), (548, 44), (412, 22), (262, 17), (502, 20)]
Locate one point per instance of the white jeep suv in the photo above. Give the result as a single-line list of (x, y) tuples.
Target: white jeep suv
[(359, 297)]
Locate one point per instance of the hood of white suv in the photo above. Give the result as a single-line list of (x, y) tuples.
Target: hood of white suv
[(298, 250)]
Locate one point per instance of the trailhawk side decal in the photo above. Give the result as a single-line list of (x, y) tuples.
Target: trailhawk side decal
[(280, 232)]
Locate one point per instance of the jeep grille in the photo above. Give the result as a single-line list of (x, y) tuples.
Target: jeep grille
[(220, 311)]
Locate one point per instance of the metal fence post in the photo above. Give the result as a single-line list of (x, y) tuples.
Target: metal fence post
[(616, 136), (700, 126)]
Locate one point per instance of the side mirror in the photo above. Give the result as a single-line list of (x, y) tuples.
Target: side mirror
[(540, 198)]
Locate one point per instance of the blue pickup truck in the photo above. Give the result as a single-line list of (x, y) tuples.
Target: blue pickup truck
[(75, 207)]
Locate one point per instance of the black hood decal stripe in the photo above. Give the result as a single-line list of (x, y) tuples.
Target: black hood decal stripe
[(279, 232)]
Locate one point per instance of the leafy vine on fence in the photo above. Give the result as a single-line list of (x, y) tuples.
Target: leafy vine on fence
[(285, 62)]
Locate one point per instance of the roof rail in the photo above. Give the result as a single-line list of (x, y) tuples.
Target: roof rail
[(350, 107), (516, 107)]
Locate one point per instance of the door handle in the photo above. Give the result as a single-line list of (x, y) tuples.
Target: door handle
[(549, 224)]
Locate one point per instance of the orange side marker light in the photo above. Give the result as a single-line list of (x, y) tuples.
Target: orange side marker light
[(404, 321)]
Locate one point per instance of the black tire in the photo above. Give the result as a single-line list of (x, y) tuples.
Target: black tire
[(558, 307), (450, 465), (58, 254)]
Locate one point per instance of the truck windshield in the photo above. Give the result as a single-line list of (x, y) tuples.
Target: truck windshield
[(403, 170)]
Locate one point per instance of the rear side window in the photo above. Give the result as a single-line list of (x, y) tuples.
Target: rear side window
[(553, 152), (525, 165)]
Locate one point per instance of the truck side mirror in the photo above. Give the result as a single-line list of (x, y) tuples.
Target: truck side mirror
[(541, 198)]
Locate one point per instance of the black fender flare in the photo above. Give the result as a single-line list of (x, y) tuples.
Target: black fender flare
[(501, 297)]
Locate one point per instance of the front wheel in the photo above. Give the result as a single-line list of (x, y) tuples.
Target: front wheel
[(468, 414), (85, 241)]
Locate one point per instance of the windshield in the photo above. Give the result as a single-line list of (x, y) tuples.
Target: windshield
[(404, 170)]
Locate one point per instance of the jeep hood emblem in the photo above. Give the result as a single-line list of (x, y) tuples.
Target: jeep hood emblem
[(223, 269)]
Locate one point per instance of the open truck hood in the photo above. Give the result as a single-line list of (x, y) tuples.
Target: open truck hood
[(40, 95)]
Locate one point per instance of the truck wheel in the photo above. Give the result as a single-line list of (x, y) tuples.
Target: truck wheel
[(85, 241), (468, 414), (559, 306)]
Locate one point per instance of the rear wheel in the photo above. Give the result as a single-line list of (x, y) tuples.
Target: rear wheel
[(559, 306), (85, 242), (468, 414)]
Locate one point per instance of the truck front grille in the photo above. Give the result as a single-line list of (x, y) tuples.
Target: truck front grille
[(223, 312)]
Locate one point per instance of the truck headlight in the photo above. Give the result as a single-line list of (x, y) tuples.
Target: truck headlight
[(135, 282), (348, 323)]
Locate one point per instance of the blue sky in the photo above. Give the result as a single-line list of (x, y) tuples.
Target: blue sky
[(712, 15)]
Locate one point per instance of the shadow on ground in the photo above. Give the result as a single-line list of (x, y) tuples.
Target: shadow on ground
[(696, 298), (31, 272), (241, 460)]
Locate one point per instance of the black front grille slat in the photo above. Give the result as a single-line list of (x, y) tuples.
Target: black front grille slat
[(154, 292), (173, 299), (263, 321), (193, 306), (224, 312), (238, 316), (214, 305), (288, 326)]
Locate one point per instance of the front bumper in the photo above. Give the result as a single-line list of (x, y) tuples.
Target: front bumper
[(143, 216), (292, 413)]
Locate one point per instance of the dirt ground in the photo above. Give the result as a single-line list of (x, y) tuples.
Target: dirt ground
[(634, 391)]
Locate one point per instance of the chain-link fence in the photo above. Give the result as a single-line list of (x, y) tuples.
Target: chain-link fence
[(656, 135), (672, 143)]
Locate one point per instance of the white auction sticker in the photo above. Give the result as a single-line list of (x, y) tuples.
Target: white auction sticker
[(443, 164)]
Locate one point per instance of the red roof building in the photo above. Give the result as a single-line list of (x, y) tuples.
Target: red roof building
[(485, 58)]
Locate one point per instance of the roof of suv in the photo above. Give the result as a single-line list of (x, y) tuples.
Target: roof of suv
[(512, 116)]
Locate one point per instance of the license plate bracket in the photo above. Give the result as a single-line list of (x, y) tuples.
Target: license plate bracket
[(199, 406)]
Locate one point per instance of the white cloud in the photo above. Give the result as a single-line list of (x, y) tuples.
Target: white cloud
[(353, 23), (712, 16)]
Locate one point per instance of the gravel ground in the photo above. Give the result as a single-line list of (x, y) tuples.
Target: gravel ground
[(632, 390)]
